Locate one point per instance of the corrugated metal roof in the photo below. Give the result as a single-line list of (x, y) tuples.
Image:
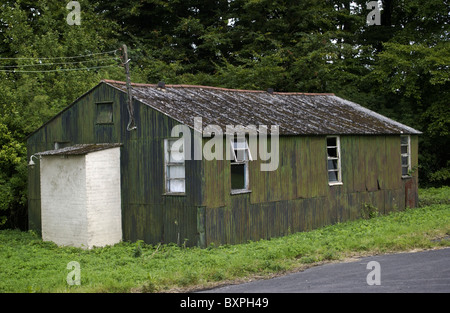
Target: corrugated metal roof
[(80, 149), (294, 113)]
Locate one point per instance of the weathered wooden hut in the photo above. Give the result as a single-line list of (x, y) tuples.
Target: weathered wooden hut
[(335, 158)]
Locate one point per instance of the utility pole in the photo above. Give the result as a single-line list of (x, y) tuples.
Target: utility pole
[(126, 63)]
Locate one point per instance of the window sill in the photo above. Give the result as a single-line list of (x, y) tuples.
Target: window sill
[(338, 183), (239, 191), (174, 194), (406, 176)]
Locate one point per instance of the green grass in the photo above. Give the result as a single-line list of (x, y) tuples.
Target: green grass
[(27, 264)]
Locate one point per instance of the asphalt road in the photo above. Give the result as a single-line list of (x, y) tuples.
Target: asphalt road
[(424, 272)]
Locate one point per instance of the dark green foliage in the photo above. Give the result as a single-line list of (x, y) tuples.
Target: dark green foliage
[(27, 100), (398, 68)]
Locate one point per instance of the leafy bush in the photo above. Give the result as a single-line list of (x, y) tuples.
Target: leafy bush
[(13, 171), (433, 195)]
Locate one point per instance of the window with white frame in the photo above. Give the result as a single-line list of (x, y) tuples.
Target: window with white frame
[(405, 146), (175, 177), (239, 165), (334, 160)]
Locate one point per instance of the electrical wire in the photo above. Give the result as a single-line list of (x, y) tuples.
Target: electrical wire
[(61, 69), (59, 63), (58, 58), (20, 68)]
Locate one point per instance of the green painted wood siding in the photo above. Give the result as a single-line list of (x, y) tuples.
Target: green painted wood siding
[(297, 196)]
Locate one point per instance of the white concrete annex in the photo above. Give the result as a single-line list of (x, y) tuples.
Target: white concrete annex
[(80, 195)]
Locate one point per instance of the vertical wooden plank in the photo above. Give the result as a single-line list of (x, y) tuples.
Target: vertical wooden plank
[(258, 182), (415, 156), (215, 184), (303, 167), (288, 178), (393, 164), (353, 206), (284, 218), (347, 167), (359, 170), (381, 161), (370, 150), (379, 201), (318, 175)]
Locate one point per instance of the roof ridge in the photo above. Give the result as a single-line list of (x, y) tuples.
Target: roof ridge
[(217, 88)]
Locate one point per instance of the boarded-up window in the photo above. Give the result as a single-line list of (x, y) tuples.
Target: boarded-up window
[(104, 113), (239, 164), (406, 155), (174, 166), (333, 160), (61, 144)]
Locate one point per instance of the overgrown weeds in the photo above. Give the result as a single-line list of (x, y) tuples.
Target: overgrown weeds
[(27, 264)]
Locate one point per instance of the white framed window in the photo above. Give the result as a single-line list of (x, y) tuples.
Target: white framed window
[(240, 155), (405, 148), (175, 176), (334, 160)]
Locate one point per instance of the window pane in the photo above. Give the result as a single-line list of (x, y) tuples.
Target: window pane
[(240, 144), (331, 141), (404, 140), (104, 113), (333, 176), (332, 164), (404, 170), (404, 149), (176, 171), (240, 150), (60, 145), (238, 176), (241, 155), (176, 186), (332, 152), (176, 154), (404, 160)]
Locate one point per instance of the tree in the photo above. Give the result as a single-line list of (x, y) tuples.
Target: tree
[(409, 79), (37, 81)]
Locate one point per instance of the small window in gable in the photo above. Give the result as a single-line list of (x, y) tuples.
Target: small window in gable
[(405, 148), (61, 144), (104, 113)]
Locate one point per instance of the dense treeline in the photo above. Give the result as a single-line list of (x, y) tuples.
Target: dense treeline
[(399, 68)]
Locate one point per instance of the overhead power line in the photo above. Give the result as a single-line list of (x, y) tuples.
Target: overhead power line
[(89, 58), (58, 63), (59, 58), (61, 69)]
